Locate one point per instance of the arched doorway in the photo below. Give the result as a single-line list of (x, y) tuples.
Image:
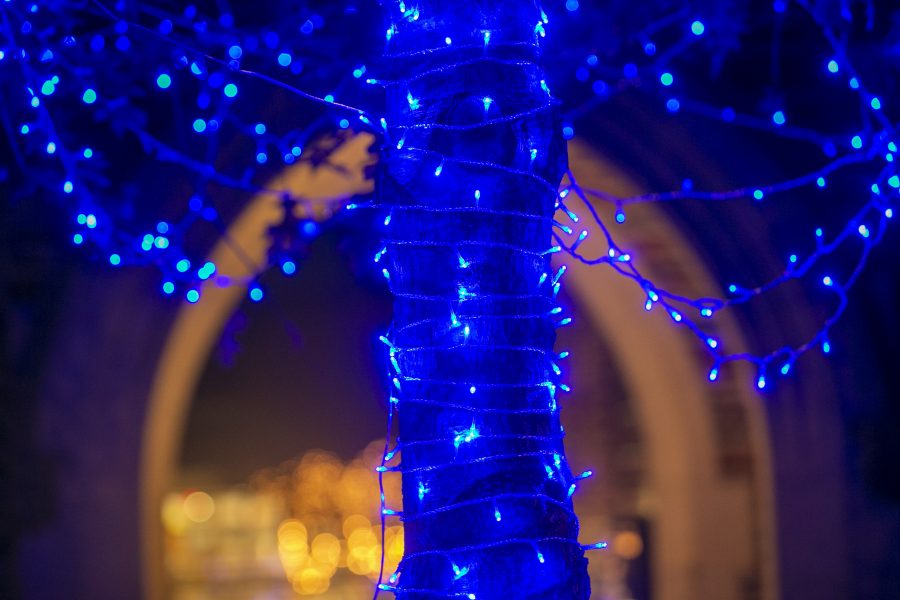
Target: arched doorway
[(708, 482)]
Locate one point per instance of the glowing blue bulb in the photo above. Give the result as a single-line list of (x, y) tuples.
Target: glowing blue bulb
[(620, 216), (260, 128), (183, 265), (856, 142), (713, 374), (77, 239), (571, 5), (785, 368), (826, 347), (568, 132), (288, 267), (68, 187), (115, 260), (235, 52), (894, 181), (199, 125), (230, 90), (438, 170), (329, 98), (35, 102), (25, 129), (889, 213), (697, 28), (497, 515), (487, 101), (344, 123), (778, 117), (819, 232), (712, 343), (472, 390), (827, 281), (706, 312), (758, 194), (414, 102), (261, 157), (88, 153), (833, 66), (672, 105), (48, 88), (91, 221), (597, 546), (256, 293), (168, 288), (206, 271), (422, 490), (863, 231), (666, 79), (649, 48), (51, 148), (164, 81), (820, 182), (192, 296), (540, 558), (457, 572), (854, 83), (875, 103), (89, 96), (792, 258), (761, 382), (284, 59)]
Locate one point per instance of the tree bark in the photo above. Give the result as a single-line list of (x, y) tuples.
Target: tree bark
[(472, 159)]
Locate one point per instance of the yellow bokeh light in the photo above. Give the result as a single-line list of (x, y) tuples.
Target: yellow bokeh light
[(394, 547), (326, 548), (362, 537), (292, 535), (311, 581), (354, 522), (364, 560), (173, 517), (199, 507)]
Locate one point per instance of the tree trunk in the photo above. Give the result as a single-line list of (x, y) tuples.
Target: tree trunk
[(472, 160)]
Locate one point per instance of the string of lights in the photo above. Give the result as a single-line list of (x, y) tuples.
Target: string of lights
[(465, 179), (472, 153), (41, 55)]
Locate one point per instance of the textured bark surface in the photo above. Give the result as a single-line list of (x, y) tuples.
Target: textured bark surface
[(473, 155)]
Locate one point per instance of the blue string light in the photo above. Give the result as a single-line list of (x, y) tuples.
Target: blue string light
[(55, 76)]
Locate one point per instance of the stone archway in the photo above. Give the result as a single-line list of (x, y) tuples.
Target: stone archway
[(707, 446), (715, 528)]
